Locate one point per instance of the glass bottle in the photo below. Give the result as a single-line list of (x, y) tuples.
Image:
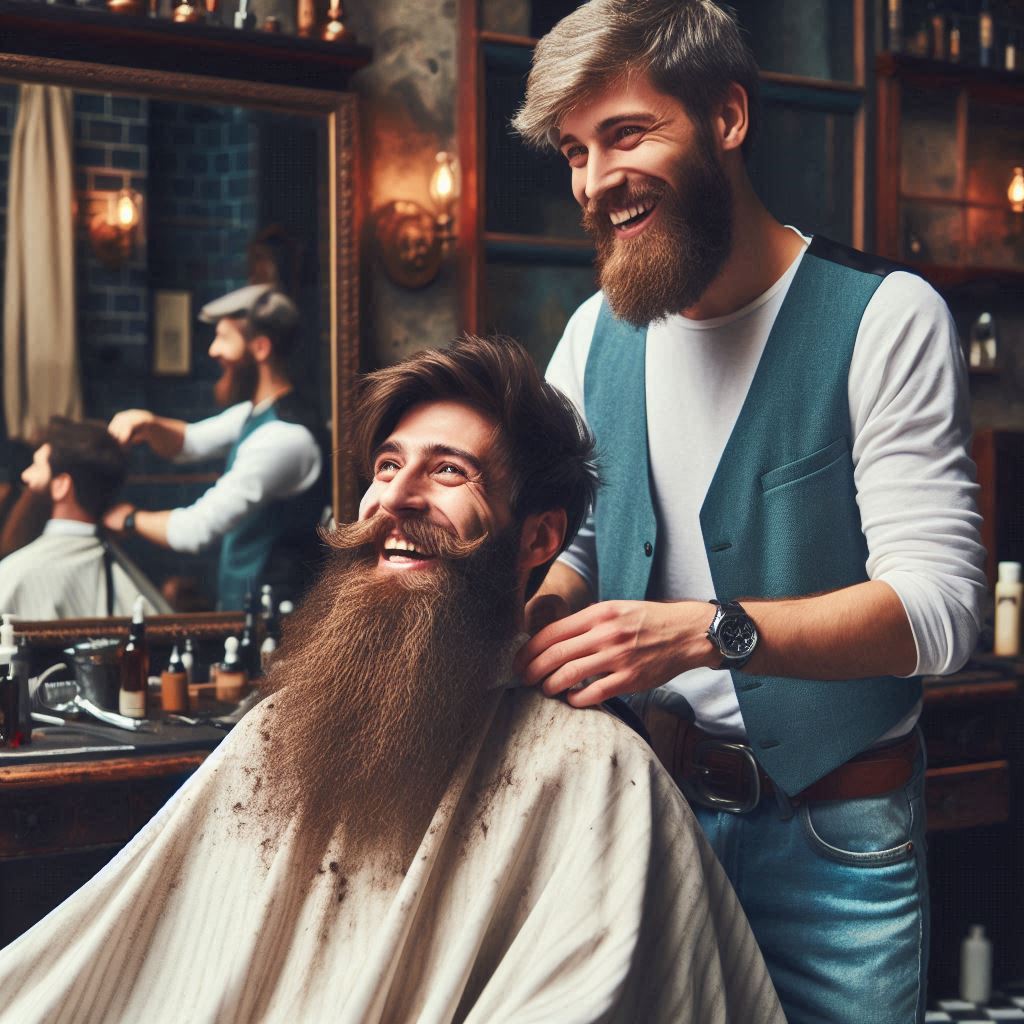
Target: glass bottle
[(131, 700)]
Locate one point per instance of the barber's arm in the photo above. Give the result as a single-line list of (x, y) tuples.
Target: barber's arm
[(276, 461), (164, 435), (128, 520), (630, 646)]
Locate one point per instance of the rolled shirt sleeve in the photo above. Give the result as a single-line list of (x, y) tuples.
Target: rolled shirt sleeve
[(276, 461), (916, 489)]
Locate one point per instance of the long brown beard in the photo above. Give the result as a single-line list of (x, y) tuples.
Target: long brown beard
[(237, 382), (379, 686), (668, 267)]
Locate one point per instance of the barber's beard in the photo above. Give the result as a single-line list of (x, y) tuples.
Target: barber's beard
[(380, 685), (237, 382), (667, 267)]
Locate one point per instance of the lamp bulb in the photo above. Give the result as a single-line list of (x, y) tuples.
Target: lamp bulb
[(1015, 193)]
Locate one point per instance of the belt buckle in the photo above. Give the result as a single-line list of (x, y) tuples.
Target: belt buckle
[(702, 772)]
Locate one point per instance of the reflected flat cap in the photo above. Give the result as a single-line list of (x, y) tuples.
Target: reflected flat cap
[(236, 303)]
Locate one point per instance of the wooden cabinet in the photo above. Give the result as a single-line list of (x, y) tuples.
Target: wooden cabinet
[(948, 140)]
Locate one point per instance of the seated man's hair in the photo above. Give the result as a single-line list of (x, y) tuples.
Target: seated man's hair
[(545, 447), (91, 457)]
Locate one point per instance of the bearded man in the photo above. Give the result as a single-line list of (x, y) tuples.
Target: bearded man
[(399, 832), (783, 424), (265, 507)]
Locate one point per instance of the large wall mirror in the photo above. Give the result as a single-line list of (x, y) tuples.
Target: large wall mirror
[(232, 182)]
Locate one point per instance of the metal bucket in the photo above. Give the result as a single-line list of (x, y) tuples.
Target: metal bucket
[(97, 670)]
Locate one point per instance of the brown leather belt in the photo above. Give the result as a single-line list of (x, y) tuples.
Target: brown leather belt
[(723, 774)]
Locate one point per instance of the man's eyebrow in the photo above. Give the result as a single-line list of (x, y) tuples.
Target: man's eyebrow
[(431, 451), (610, 122)]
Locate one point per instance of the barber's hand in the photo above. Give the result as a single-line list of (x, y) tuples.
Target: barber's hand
[(628, 646), (129, 427), (115, 516)]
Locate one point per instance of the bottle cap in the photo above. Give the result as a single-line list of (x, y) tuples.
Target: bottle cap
[(1009, 572), (8, 649), (231, 650), (977, 931)]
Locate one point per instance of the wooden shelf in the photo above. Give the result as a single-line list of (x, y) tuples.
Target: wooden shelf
[(512, 248), (992, 83), (158, 44)]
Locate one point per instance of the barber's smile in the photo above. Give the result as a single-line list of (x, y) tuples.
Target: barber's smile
[(401, 554), (631, 220)]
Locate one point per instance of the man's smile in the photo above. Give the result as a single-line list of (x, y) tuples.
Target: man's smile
[(399, 553), (631, 220)]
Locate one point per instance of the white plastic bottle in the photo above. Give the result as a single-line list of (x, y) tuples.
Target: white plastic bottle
[(1009, 592), (976, 966)]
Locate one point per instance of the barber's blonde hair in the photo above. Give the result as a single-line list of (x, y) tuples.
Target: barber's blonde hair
[(691, 49)]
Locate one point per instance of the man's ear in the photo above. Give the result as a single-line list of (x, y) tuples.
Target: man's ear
[(60, 487), (541, 537), (732, 117), (261, 347)]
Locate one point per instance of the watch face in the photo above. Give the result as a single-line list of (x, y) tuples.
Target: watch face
[(737, 636)]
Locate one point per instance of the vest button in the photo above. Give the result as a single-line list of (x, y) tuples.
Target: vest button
[(648, 548)]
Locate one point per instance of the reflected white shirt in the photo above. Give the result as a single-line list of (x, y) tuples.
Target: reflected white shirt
[(277, 460)]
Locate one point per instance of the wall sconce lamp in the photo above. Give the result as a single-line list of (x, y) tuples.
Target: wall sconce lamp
[(412, 241), (1015, 193), (115, 231)]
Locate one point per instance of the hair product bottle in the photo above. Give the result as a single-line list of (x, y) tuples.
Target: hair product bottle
[(895, 25), (15, 660), (174, 685), (986, 35), (271, 626), (188, 660), (1009, 592), (976, 966), (131, 700), (249, 645), (231, 674)]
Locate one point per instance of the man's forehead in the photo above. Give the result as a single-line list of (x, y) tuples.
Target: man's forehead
[(628, 97), (445, 424)]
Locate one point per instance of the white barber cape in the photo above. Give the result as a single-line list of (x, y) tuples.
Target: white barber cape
[(563, 879)]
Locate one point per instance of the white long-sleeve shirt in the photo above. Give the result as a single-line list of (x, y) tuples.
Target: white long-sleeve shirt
[(277, 460), (910, 423)]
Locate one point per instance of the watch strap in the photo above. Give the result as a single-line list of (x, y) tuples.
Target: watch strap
[(129, 522)]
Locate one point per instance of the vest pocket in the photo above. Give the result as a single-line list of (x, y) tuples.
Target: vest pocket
[(805, 467)]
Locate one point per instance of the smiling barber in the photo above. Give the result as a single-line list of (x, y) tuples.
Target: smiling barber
[(786, 538), (266, 506)]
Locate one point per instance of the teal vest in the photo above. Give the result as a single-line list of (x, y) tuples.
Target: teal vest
[(780, 518), (273, 542)]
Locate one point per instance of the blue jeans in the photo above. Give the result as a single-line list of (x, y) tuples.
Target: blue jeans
[(837, 897)]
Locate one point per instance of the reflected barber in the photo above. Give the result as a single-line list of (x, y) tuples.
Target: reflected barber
[(787, 536), (267, 503)]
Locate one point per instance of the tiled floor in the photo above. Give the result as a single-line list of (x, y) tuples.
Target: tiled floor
[(999, 1007)]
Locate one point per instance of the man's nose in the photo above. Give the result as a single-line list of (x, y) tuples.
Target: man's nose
[(402, 494), (602, 176)]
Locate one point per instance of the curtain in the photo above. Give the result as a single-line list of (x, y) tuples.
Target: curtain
[(40, 355)]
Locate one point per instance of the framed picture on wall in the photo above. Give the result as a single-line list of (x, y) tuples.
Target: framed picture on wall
[(172, 333)]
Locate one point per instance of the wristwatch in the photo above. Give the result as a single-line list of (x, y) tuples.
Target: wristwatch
[(128, 526), (733, 632)]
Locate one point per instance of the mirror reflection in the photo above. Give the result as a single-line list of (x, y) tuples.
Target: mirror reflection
[(165, 352)]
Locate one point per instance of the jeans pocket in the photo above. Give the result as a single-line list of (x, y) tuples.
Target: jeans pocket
[(872, 832)]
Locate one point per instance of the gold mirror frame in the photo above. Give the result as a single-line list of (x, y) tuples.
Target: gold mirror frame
[(339, 111)]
